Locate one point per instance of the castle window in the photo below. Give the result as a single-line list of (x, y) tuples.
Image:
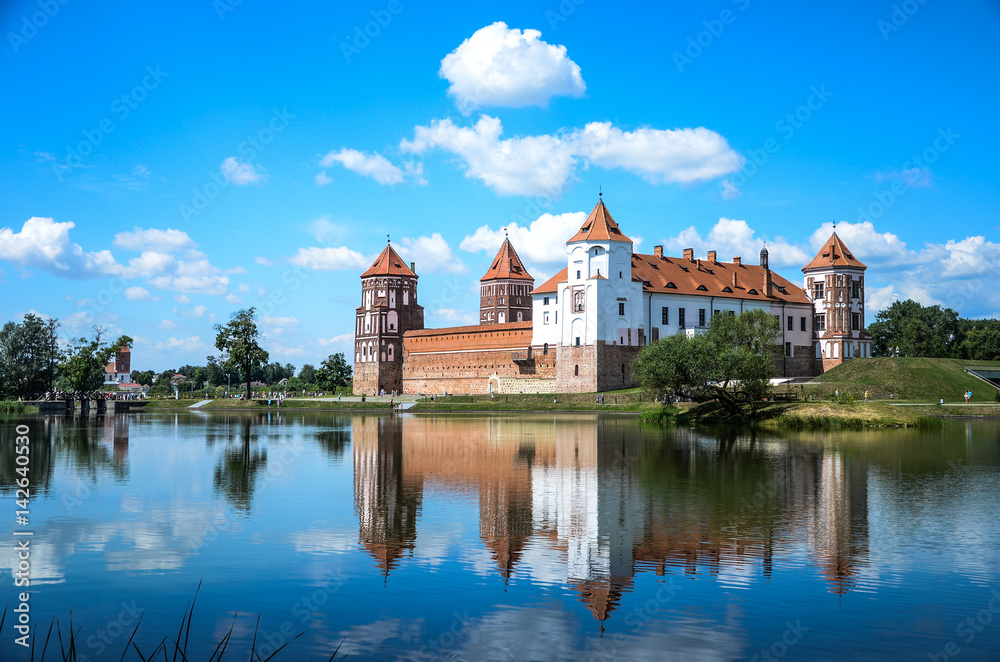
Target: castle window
[(855, 321), (817, 291), (545, 301), (664, 315), (856, 290), (621, 308), (680, 317), (578, 341), (791, 323), (576, 369), (819, 322), (545, 319), (391, 352), (788, 349), (545, 348), (701, 317), (578, 299), (577, 273), (619, 274), (802, 324)]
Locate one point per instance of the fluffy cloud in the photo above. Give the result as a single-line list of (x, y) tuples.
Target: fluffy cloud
[(731, 237), (190, 344), (500, 66), (329, 258), (373, 165), (137, 294), (544, 164), (153, 239), (432, 253), (241, 173), (263, 261), (278, 325), (913, 177), (543, 241), (44, 244)]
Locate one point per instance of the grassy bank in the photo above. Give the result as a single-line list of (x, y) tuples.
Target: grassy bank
[(625, 400), (918, 380), (824, 416)]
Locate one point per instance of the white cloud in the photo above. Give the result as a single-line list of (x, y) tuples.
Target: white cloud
[(322, 179), (731, 237), (373, 165), (544, 164), (167, 325), (244, 288), (729, 190), (913, 177), (278, 325), (153, 239), (544, 240), (433, 254), (456, 317), (190, 344), (500, 66), (43, 243), (151, 263), (867, 243), (233, 299), (330, 258), (182, 298), (343, 340), (137, 294), (263, 261), (241, 173)]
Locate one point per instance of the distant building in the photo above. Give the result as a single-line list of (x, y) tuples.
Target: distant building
[(119, 368), (580, 330)]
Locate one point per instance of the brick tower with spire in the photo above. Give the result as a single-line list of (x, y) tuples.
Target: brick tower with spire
[(388, 310), (835, 280), (505, 290)]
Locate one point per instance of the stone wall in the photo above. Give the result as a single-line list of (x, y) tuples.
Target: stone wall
[(462, 359), (614, 366), (576, 369)]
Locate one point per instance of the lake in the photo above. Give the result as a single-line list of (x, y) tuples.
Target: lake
[(507, 537)]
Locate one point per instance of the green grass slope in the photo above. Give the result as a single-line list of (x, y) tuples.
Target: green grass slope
[(924, 380)]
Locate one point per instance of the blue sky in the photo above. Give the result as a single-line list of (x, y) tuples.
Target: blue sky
[(162, 167)]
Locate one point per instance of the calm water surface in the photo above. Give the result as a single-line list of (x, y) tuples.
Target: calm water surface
[(529, 537)]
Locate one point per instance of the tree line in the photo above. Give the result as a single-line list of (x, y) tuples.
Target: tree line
[(33, 362), (906, 328)]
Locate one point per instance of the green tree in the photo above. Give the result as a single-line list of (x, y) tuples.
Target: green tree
[(308, 374), (144, 377), (335, 372), (239, 340), (83, 368), (982, 341), (916, 330), (732, 362), (29, 354)]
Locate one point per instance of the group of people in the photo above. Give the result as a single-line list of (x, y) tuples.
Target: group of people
[(968, 396), (84, 396)]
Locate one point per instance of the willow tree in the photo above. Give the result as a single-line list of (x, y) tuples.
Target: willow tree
[(239, 341)]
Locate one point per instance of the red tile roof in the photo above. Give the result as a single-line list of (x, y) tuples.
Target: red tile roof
[(674, 275), (507, 265), (834, 254), (599, 226), (552, 284), (388, 263)]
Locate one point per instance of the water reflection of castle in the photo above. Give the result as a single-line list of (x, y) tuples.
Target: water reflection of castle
[(588, 504)]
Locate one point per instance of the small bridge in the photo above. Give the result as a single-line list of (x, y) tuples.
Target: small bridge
[(86, 406)]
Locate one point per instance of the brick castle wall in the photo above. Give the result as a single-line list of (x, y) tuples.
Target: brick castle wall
[(614, 366)]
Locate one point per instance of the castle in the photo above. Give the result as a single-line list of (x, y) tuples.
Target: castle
[(580, 330)]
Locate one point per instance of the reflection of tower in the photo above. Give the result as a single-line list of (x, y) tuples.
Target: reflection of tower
[(120, 436), (505, 523), (588, 497), (840, 528), (386, 505)]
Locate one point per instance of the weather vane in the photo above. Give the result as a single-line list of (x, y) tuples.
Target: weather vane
[(387, 240)]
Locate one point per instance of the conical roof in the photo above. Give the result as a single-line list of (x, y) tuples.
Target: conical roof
[(388, 263), (599, 226), (834, 254), (507, 265)]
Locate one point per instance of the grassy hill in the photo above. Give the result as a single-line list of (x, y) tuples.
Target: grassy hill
[(925, 380)]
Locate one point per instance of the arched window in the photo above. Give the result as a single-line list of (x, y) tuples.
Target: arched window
[(391, 351), (576, 370)]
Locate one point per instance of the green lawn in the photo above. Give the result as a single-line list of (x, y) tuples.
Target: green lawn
[(919, 380)]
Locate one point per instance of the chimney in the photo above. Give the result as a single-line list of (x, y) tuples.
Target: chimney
[(736, 261), (658, 251), (736, 282), (689, 254), (711, 256), (413, 267), (768, 285)]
